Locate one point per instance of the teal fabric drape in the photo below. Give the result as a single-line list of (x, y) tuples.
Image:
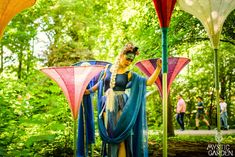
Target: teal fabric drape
[(132, 120)]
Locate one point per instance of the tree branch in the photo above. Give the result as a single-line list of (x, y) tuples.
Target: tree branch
[(204, 39)]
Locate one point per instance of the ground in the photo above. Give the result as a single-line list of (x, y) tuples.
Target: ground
[(193, 149), (203, 132)]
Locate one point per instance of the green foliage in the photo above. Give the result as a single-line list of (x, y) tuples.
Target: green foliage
[(43, 121)]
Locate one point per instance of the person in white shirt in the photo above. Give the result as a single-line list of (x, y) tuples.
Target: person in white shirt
[(223, 114)]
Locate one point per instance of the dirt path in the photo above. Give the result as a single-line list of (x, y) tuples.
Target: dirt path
[(203, 132), (192, 149), (195, 132)]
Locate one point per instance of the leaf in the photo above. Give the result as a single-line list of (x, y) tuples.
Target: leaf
[(39, 138)]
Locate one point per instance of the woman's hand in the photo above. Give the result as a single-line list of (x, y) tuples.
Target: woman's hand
[(159, 63), (87, 92), (92, 89), (155, 74)]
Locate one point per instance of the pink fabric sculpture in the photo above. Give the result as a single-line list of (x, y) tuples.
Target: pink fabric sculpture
[(73, 82), (175, 64)]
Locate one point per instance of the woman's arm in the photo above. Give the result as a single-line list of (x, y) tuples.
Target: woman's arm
[(155, 74), (92, 89), (95, 87)]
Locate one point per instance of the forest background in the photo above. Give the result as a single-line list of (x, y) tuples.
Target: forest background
[(34, 115)]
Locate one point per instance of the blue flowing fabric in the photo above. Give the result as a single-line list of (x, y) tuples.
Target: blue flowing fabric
[(132, 119), (85, 114)]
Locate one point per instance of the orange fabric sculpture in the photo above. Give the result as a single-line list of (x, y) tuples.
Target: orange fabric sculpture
[(9, 8)]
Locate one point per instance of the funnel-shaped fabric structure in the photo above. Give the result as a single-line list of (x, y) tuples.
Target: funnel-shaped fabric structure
[(211, 13), (86, 127), (164, 10), (9, 8), (92, 62), (175, 65), (73, 81)]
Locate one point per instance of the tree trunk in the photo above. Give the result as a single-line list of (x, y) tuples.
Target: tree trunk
[(229, 87), (170, 126), (211, 108), (223, 86), (223, 80), (229, 95), (20, 59), (29, 58), (28, 62)]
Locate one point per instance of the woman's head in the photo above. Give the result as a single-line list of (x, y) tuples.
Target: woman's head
[(130, 48), (124, 59), (128, 54)]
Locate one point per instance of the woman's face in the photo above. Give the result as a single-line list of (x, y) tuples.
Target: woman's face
[(126, 59)]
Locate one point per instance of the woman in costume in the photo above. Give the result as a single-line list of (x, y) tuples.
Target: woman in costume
[(122, 116)]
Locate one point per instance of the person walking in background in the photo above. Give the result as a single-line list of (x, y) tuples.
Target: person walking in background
[(180, 110), (200, 113), (223, 114)]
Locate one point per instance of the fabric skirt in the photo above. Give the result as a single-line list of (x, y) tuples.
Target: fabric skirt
[(109, 149)]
